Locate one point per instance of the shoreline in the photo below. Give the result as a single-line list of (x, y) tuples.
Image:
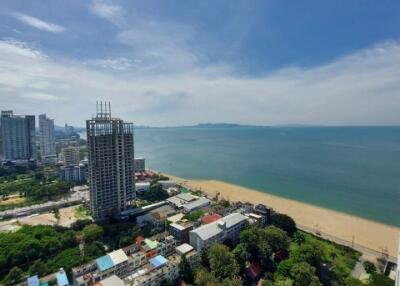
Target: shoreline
[(369, 237)]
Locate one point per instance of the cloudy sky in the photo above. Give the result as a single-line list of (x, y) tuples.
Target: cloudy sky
[(164, 63)]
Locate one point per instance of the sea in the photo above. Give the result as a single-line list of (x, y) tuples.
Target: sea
[(355, 170)]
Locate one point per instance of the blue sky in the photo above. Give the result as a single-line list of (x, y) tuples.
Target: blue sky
[(184, 62)]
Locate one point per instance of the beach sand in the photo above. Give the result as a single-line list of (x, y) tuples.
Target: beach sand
[(372, 238)]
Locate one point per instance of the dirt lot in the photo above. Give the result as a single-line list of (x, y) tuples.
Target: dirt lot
[(11, 200), (67, 217)]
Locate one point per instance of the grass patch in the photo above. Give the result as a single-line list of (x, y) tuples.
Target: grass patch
[(341, 259), (82, 212)]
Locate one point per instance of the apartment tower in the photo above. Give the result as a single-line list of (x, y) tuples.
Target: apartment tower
[(17, 136), (46, 139), (111, 163)]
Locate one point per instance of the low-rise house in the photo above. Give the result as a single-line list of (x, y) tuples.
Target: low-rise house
[(167, 184), (62, 279), (188, 202), (142, 187), (200, 203), (225, 228), (264, 211), (180, 230), (122, 262)]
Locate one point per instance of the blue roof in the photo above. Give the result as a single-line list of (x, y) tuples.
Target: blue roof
[(62, 279), (33, 281), (158, 261), (104, 263)]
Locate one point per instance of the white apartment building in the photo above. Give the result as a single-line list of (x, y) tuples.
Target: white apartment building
[(46, 139), (228, 227)]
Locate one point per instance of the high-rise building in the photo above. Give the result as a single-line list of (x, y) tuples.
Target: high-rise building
[(111, 164), (46, 139), (17, 136), (70, 155)]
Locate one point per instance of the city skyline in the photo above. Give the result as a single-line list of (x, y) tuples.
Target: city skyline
[(262, 63)]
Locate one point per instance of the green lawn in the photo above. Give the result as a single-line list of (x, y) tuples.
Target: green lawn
[(342, 259)]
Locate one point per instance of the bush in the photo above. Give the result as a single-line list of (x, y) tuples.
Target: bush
[(369, 267), (284, 222)]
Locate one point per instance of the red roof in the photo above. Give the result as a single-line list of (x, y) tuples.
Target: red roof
[(254, 270), (210, 218)]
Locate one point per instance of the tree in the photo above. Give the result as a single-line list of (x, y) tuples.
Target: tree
[(185, 271), (56, 213), (92, 232), (222, 262), (284, 268), (379, 280), (284, 222), (299, 238), (205, 278), (282, 282), (369, 267), (276, 237), (303, 274), (38, 268), (241, 255), (351, 281), (14, 276), (310, 252)]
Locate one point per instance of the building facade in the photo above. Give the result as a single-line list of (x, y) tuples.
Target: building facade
[(70, 155), (46, 139), (111, 170), (17, 136), (140, 164), (73, 173), (228, 227)]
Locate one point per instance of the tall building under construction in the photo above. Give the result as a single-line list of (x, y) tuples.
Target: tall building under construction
[(111, 163)]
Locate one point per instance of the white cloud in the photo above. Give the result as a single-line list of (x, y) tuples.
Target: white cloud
[(38, 23), (41, 96), (361, 88), (110, 12), (118, 64)]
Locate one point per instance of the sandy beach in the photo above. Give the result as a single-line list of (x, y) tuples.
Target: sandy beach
[(367, 236)]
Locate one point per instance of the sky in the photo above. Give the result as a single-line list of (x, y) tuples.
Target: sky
[(167, 63)]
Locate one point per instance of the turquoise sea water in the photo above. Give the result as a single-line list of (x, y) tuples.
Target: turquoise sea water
[(350, 169)]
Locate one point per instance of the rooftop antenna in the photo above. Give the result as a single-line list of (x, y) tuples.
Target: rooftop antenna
[(97, 108), (101, 109), (109, 108)]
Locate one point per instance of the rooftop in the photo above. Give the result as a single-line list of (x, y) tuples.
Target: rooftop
[(118, 256), (212, 229), (210, 218), (104, 263), (62, 279), (33, 281), (112, 281), (151, 244), (184, 248), (201, 202), (158, 261)]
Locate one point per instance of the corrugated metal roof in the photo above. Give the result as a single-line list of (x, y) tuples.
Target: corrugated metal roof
[(208, 230), (118, 256), (33, 281), (213, 229), (233, 219), (104, 263), (184, 248), (201, 202), (112, 281), (62, 279), (151, 244), (158, 261)]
